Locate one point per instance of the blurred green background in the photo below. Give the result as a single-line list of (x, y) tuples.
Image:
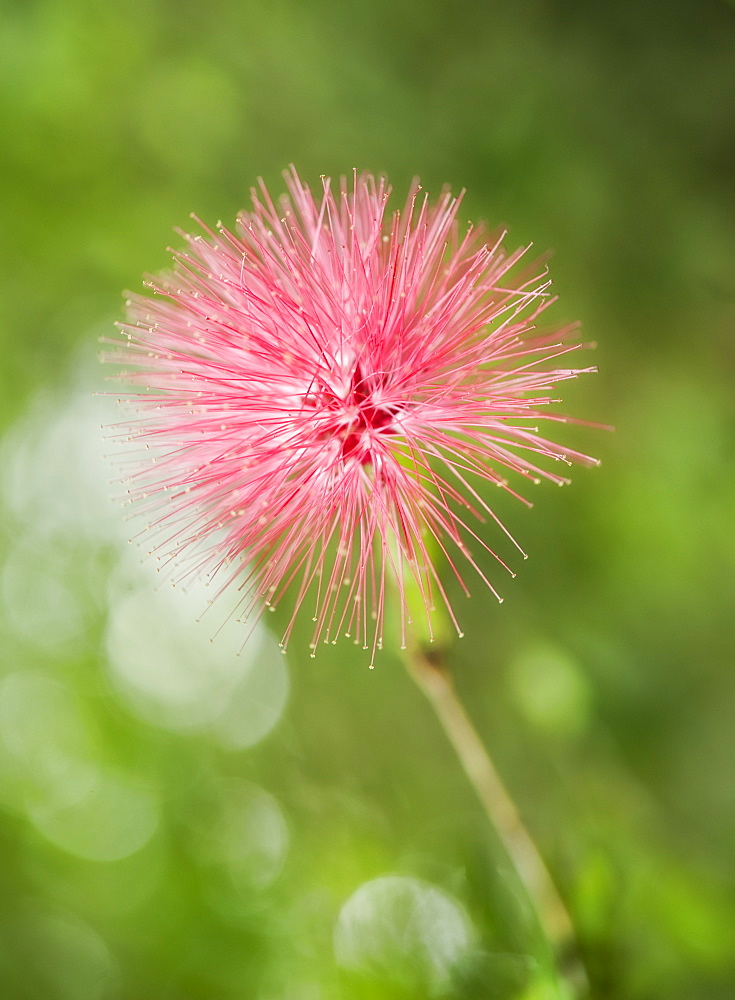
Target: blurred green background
[(178, 823)]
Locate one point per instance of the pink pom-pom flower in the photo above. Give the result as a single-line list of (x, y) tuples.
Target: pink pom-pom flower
[(324, 394)]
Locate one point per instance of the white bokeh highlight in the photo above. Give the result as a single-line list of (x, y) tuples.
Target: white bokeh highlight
[(164, 665), (58, 487), (51, 772), (46, 743), (112, 820), (244, 834), (405, 930)]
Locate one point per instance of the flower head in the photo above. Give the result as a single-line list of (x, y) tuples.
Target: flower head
[(325, 392)]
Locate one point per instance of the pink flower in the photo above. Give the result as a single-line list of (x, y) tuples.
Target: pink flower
[(324, 394)]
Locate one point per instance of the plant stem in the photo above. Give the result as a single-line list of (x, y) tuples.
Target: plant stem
[(430, 674)]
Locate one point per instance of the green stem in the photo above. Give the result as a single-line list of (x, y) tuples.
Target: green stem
[(429, 672)]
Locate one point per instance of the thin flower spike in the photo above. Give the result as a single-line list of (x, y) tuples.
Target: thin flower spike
[(321, 394)]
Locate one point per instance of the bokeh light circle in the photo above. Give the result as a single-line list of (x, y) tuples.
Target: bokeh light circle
[(403, 929)]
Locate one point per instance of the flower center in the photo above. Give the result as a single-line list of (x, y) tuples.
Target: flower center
[(358, 418)]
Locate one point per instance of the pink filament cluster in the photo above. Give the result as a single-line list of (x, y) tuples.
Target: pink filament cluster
[(323, 394)]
